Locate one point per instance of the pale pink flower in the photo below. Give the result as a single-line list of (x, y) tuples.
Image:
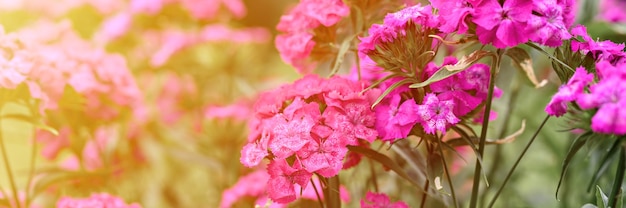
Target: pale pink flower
[(102, 200), (436, 114)]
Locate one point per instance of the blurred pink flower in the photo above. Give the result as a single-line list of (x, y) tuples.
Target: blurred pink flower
[(102, 200), (613, 10), (502, 25), (378, 200)]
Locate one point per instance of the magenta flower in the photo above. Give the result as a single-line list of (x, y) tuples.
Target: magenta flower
[(502, 25), (613, 11), (435, 114), (600, 50), (355, 120), (569, 92), (253, 184), (378, 200), (454, 12), (280, 186), (289, 135), (548, 26), (394, 120)]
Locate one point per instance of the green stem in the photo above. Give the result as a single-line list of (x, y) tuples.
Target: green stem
[(331, 193), (616, 191), (31, 174), (7, 165), (319, 199), (497, 155), (424, 195), (445, 166), (495, 68), (508, 176)]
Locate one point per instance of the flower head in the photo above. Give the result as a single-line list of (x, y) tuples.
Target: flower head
[(435, 114), (376, 200), (502, 25)]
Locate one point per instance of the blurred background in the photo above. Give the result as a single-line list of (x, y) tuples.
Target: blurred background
[(175, 81)]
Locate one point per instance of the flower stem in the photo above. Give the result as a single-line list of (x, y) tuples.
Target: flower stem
[(616, 191), (7, 166), (508, 176), (332, 193), (495, 68)]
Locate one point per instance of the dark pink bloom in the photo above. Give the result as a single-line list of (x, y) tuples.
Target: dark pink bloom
[(548, 26), (454, 13), (435, 114), (394, 120), (569, 92), (378, 200), (253, 184), (280, 186), (600, 50), (502, 25)]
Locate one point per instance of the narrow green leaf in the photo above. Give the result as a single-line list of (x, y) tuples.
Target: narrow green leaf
[(601, 198), (35, 121), (616, 190), (578, 143), (449, 70), (536, 47), (605, 163), (522, 61), (475, 149), (391, 88), (387, 162), (345, 45)]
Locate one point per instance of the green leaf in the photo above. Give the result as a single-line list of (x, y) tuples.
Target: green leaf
[(616, 190), (536, 47), (578, 143), (522, 61), (35, 121), (387, 162), (391, 88), (449, 70), (605, 163), (345, 45), (4, 202), (601, 198)]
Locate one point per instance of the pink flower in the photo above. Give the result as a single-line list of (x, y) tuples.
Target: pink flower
[(549, 26), (569, 92), (115, 27), (502, 25), (309, 14), (599, 50), (394, 120), (612, 11), (95, 201), (610, 118), (378, 200), (454, 12), (324, 155), (435, 114), (280, 186), (253, 184), (355, 120), (294, 49)]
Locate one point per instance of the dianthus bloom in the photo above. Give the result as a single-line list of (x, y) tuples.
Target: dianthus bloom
[(102, 200), (377, 200), (312, 121), (296, 44), (605, 97), (569, 92), (599, 50), (550, 22), (454, 12), (502, 25)]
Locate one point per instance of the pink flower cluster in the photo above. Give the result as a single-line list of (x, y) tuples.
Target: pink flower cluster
[(599, 50), (255, 185), (395, 26), (304, 128), (102, 200), (605, 97), (377, 200), (297, 42), (510, 23), (448, 100)]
